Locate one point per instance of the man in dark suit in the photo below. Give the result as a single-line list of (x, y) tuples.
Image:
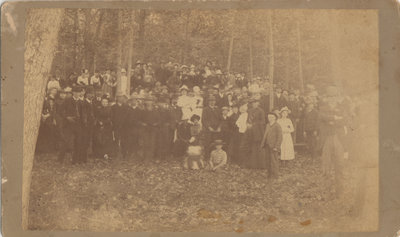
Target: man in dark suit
[(74, 124), (87, 121), (272, 141), (120, 120), (211, 124)]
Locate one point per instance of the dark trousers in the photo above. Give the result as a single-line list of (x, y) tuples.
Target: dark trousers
[(149, 142), (122, 141), (312, 143), (272, 162), (80, 149), (164, 139)]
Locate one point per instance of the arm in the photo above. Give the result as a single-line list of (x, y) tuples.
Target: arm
[(223, 162), (278, 138)]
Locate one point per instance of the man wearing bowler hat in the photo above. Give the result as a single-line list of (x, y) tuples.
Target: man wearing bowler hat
[(73, 124)]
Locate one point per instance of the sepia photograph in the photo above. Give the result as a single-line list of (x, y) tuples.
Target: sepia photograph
[(193, 120)]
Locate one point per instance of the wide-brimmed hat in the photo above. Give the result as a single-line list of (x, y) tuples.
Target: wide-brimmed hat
[(212, 98), (77, 89), (184, 87), (284, 109), (217, 142), (274, 114), (67, 89)]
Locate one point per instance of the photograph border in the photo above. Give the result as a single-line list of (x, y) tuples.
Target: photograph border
[(12, 114)]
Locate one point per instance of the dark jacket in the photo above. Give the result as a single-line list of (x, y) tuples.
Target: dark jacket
[(211, 118), (272, 136)]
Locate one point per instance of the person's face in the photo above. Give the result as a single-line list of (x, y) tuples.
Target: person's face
[(218, 147), (229, 96), (285, 93), (121, 99), (310, 107), (53, 93), (89, 96), (63, 95), (291, 97), (255, 104), (76, 94), (69, 95), (271, 118), (149, 105), (284, 114), (225, 112), (278, 91), (184, 92), (212, 102), (235, 109), (104, 102), (99, 94)]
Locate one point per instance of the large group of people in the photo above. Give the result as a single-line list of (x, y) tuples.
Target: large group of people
[(198, 114)]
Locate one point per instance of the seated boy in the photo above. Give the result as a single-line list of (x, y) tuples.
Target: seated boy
[(218, 156)]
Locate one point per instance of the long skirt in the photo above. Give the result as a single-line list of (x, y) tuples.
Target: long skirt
[(287, 148), (252, 155)]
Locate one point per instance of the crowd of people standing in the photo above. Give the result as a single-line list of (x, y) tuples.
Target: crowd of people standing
[(199, 115)]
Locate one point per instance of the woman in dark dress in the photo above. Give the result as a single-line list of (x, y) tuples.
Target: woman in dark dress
[(255, 156), (103, 138)]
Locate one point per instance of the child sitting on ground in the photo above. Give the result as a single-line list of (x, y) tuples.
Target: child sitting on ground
[(194, 154), (218, 157)]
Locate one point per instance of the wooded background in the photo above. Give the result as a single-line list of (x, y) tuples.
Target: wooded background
[(296, 47)]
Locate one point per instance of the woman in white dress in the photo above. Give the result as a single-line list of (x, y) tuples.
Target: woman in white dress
[(287, 147)]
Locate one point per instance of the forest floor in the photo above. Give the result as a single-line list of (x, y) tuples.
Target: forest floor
[(125, 195)]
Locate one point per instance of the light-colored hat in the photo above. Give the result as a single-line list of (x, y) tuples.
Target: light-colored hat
[(218, 72), (184, 87), (285, 109), (123, 70)]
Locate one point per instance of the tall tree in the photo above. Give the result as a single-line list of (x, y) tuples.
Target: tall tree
[(119, 51), (41, 37), (130, 50), (271, 58), (299, 47)]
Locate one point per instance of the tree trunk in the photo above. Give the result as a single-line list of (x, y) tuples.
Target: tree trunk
[(186, 32), (251, 56), (130, 51), (96, 41), (141, 22), (299, 46), (271, 59), (119, 54), (228, 66), (41, 37), (76, 45)]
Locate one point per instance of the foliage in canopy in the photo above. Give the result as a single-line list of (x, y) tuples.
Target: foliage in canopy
[(89, 39)]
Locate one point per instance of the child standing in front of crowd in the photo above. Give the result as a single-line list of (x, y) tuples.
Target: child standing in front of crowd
[(218, 156)]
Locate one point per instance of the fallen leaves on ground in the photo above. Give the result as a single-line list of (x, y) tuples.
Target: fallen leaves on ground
[(127, 195)]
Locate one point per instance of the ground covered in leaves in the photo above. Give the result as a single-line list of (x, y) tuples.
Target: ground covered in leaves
[(126, 195)]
